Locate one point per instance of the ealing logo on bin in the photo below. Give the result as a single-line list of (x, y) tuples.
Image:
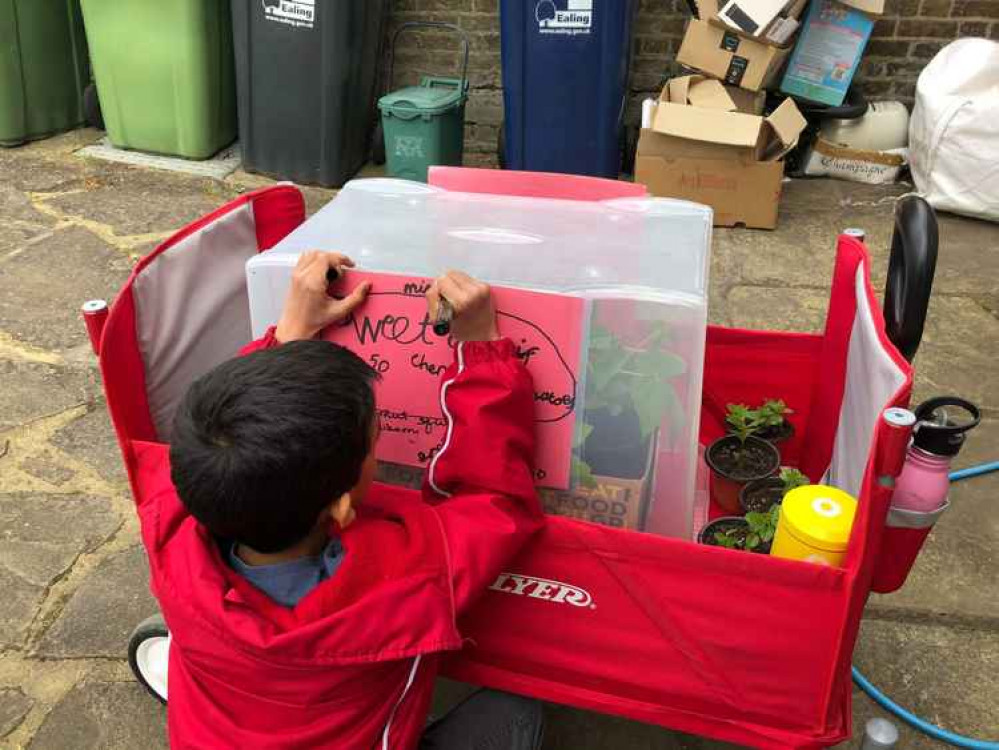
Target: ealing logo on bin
[(576, 17), (292, 12), (543, 588)]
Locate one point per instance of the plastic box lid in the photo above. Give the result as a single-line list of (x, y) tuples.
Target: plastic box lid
[(641, 262), (433, 96)]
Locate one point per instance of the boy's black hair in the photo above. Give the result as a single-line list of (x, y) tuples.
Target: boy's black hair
[(262, 443)]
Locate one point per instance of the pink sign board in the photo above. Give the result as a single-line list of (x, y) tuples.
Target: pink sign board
[(393, 333)]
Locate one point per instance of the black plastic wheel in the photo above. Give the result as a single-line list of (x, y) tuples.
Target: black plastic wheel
[(378, 145), (148, 650), (92, 114)]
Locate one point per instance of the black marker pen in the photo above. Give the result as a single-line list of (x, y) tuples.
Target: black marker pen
[(445, 313)]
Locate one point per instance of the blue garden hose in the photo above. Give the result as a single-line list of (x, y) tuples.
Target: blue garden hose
[(908, 717)]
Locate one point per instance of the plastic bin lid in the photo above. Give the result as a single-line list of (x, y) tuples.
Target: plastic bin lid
[(432, 97), (819, 515)]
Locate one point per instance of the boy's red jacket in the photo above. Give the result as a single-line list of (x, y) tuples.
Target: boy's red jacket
[(353, 664)]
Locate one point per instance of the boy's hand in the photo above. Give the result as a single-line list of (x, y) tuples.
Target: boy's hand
[(308, 309), (472, 303)]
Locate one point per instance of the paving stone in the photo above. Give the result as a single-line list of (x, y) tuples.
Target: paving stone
[(955, 572), (47, 470), (102, 716), (26, 172), (16, 235), (32, 390), (92, 439), (138, 201), (16, 207), (778, 309), (949, 677), (13, 706), (40, 537), (958, 352), (102, 612), (64, 271)]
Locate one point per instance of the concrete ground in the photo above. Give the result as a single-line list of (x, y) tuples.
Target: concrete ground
[(73, 576)]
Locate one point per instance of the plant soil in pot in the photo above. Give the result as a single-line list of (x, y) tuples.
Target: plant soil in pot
[(761, 495), (735, 462), (732, 526)]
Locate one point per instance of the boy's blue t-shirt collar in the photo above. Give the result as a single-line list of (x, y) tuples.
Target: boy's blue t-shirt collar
[(288, 582)]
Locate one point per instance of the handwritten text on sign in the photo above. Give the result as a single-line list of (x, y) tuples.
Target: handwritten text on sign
[(393, 333)]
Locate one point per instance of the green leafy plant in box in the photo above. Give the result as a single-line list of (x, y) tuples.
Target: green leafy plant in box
[(628, 391)]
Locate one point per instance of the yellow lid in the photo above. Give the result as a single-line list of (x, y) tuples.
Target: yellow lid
[(820, 516)]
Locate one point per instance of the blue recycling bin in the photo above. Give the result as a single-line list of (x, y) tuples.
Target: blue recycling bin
[(565, 77)]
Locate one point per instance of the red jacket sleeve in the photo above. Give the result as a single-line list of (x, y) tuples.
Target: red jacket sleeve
[(483, 470), (267, 341)]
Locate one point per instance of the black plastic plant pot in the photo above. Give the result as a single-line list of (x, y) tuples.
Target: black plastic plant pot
[(761, 495), (760, 459), (707, 534), (616, 448), (779, 434)]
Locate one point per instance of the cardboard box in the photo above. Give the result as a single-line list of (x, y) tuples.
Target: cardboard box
[(620, 503), (871, 7), (778, 31), (828, 52), (694, 108), (702, 148), (736, 60)]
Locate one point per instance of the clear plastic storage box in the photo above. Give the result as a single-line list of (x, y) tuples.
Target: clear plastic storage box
[(641, 264)]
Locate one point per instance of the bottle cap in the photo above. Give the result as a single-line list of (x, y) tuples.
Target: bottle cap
[(942, 424)]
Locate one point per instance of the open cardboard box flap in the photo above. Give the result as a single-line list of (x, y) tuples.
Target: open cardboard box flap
[(873, 7), (767, 139), (787, 122), (699, 91)]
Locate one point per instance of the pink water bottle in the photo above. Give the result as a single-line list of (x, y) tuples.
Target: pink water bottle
[(941, 427), (920, 495)]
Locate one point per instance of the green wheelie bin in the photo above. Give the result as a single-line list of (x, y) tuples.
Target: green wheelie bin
[(164, 73), (43, 69)]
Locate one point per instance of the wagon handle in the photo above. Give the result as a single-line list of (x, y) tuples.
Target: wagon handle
[(409, 26), (911, 266)]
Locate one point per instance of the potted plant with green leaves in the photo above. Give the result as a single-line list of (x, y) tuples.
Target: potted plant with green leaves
[(774, 424), (739, 457), (628, 391), (752, 533), (762, 494)]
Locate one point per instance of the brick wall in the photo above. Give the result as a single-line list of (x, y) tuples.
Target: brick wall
[(905, 38)]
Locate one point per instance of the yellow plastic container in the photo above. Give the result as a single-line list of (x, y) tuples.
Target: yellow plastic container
[(814, 525)]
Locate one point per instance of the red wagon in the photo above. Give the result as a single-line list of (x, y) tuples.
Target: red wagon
[(745, 648)]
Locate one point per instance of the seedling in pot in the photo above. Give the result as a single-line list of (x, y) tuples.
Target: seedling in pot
[(762, 527), (739, 457), (772, 418), (754, 533), (768, 421), (761, 494), (728, 531)]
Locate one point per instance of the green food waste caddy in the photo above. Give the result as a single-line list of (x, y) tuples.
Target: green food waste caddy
[(43, 68), (164, 73), (424, 125)]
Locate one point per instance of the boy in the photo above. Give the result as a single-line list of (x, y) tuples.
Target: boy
[(308, 606)]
